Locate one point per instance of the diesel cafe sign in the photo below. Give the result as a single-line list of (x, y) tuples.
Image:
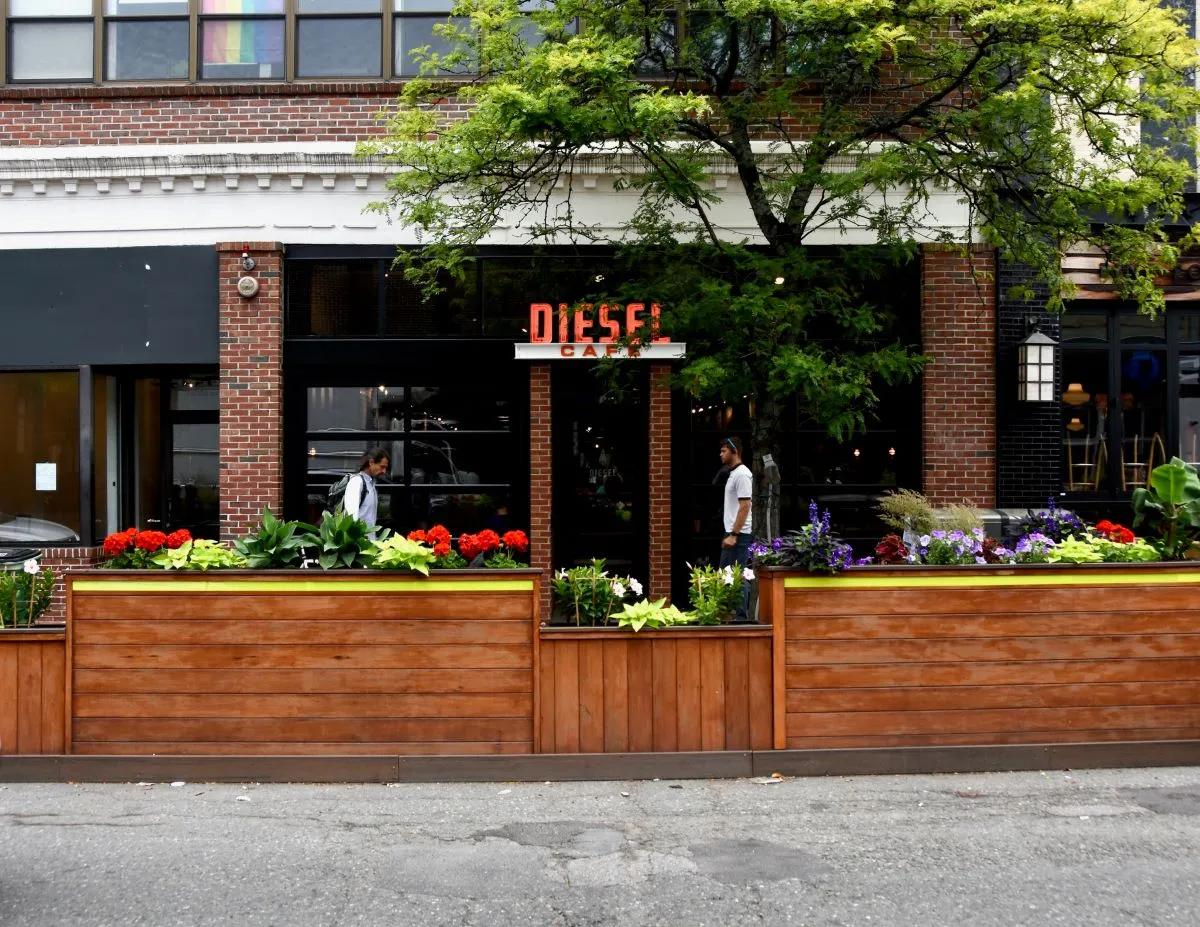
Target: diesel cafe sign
[(590, 332)]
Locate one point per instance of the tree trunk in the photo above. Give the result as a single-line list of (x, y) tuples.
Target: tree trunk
[(764, 445)]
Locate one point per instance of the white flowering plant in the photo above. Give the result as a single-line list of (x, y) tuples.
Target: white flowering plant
[(589, 595), (716, 592), (24, 595)]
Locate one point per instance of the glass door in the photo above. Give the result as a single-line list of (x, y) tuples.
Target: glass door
[(600, 470)]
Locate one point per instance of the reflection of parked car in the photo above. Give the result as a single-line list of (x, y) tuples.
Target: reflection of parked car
[(1189, 369), (20, 530)]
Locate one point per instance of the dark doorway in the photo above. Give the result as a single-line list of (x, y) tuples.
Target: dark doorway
[(601, 466)]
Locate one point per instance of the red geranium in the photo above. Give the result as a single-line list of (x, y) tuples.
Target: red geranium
[(176, 539), (515, 540), (417, 535), (488, 540), (150, 541), (441, 549), (438, 535), (469, 546), (1116, 533), (119, 541)]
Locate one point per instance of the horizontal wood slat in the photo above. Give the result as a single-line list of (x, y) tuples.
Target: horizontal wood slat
[(620, 692), (32, 692), (893, 659), (199, 667)]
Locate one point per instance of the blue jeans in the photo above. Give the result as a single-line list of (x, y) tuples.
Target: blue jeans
[(739, 554)]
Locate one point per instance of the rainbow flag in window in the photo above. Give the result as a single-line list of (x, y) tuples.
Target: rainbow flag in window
[(241, 7)]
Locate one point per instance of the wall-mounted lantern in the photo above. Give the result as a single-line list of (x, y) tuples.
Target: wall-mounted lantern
[(1035, 368)]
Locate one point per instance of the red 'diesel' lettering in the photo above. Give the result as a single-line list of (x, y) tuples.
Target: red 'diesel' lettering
[(655, 316), (582, 324), (633, 318), (541, 323), (562, 322), (612, 325)]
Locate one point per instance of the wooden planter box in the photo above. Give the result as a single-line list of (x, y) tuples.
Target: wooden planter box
[(32, 690), (609, 690), (348, 662), (903, 656)]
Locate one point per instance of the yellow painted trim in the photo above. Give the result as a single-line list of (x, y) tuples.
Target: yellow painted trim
[(1089, 578), (233, 586)]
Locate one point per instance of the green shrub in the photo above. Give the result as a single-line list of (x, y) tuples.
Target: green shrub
[(276, 544), (201, 554)]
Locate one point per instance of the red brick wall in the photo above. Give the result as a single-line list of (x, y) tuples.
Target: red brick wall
[(251, 356), (122, 115), (541, 548), (659, 580), (62, 560), (958, 326)]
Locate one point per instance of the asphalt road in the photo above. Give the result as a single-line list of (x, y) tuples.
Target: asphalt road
[(1089, 848)]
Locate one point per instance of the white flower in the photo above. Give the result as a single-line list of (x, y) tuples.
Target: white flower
[(635, 586), (562, 574), (617, 588), (747, 574), (727, 576), (31, 567), (924, 540)]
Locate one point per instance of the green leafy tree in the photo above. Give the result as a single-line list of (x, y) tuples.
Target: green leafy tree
[(879, 117)]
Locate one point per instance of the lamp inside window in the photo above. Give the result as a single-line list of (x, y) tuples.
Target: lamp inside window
[(1035, 368)]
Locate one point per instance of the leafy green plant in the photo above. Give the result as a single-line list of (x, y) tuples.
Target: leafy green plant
[(201, 554), (1138, 551), (647, 614), (1171, 507), (715, 593), (1077, 550), (906, 510), (276, 543), (24, 595), (344, 541), (399, 553), (588, 595)]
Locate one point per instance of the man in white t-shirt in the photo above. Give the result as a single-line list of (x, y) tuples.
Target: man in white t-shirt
[(735, 545)]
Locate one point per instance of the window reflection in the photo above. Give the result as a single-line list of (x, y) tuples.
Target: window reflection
[(1143, 414), (1189, 407), (1085, 420)]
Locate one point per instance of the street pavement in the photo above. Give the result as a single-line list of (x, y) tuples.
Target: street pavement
[(1089, 848)]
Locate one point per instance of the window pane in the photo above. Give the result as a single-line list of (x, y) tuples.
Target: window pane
[(411, 314), (1144, 415), (147, 50), (148, 454), (1085, 420), (333, 299), (424, 6), (146, 7), (194, 502), (50, 8), (246, 49), (241, 6), (1189, 328), (338, 6), (1140, 328), (1085, 328), (1189, 407), (457, 408), (195, 394), (339, 48), (356, 408), (39, 418), (413, 32), (51, 51)]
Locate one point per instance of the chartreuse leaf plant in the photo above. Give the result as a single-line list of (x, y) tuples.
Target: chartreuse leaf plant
[(201, 554), (276, 544), (656, 614), (399, 553)]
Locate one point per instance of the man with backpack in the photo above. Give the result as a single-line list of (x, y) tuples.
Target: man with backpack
[(355, 493)]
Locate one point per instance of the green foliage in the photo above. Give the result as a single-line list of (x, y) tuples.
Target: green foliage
[(1077, 550), (24, 596), (451, 561), (715, 593), (399, 553), (1170, 507), (1138, 551), (503, 560), (588, 595), (344, 541), (647, 614), (906, 510), (202, 554), (276, 543)]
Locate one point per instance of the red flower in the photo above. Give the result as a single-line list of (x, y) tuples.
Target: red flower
[(1105, 526), (515, 540), (150, 541), (1118, 534), (176, 539), (417, 535), (438, 535), (119, 541), (488, 540), (441, 549), (469, 547)]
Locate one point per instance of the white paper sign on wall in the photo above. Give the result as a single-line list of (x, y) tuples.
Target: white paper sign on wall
[(45, 477)]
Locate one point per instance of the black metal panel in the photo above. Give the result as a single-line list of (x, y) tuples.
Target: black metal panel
[(107, 306)]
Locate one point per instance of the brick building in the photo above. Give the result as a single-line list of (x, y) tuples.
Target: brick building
[(200, 319)]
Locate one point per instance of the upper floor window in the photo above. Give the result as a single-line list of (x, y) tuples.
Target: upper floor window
[(236, 40)]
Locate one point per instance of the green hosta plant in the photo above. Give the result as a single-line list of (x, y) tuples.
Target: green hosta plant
[(647, 614), (276, 543), (24, 595), (1171, 507), (202, 554), (399, 553), (344, 541)]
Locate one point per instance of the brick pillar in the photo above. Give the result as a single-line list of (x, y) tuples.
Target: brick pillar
[(958, 328), (540, 484), (251, 352), (659, 522)]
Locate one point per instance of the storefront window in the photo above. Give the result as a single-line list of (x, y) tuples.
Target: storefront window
[(1189, 406), (39, 470)]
